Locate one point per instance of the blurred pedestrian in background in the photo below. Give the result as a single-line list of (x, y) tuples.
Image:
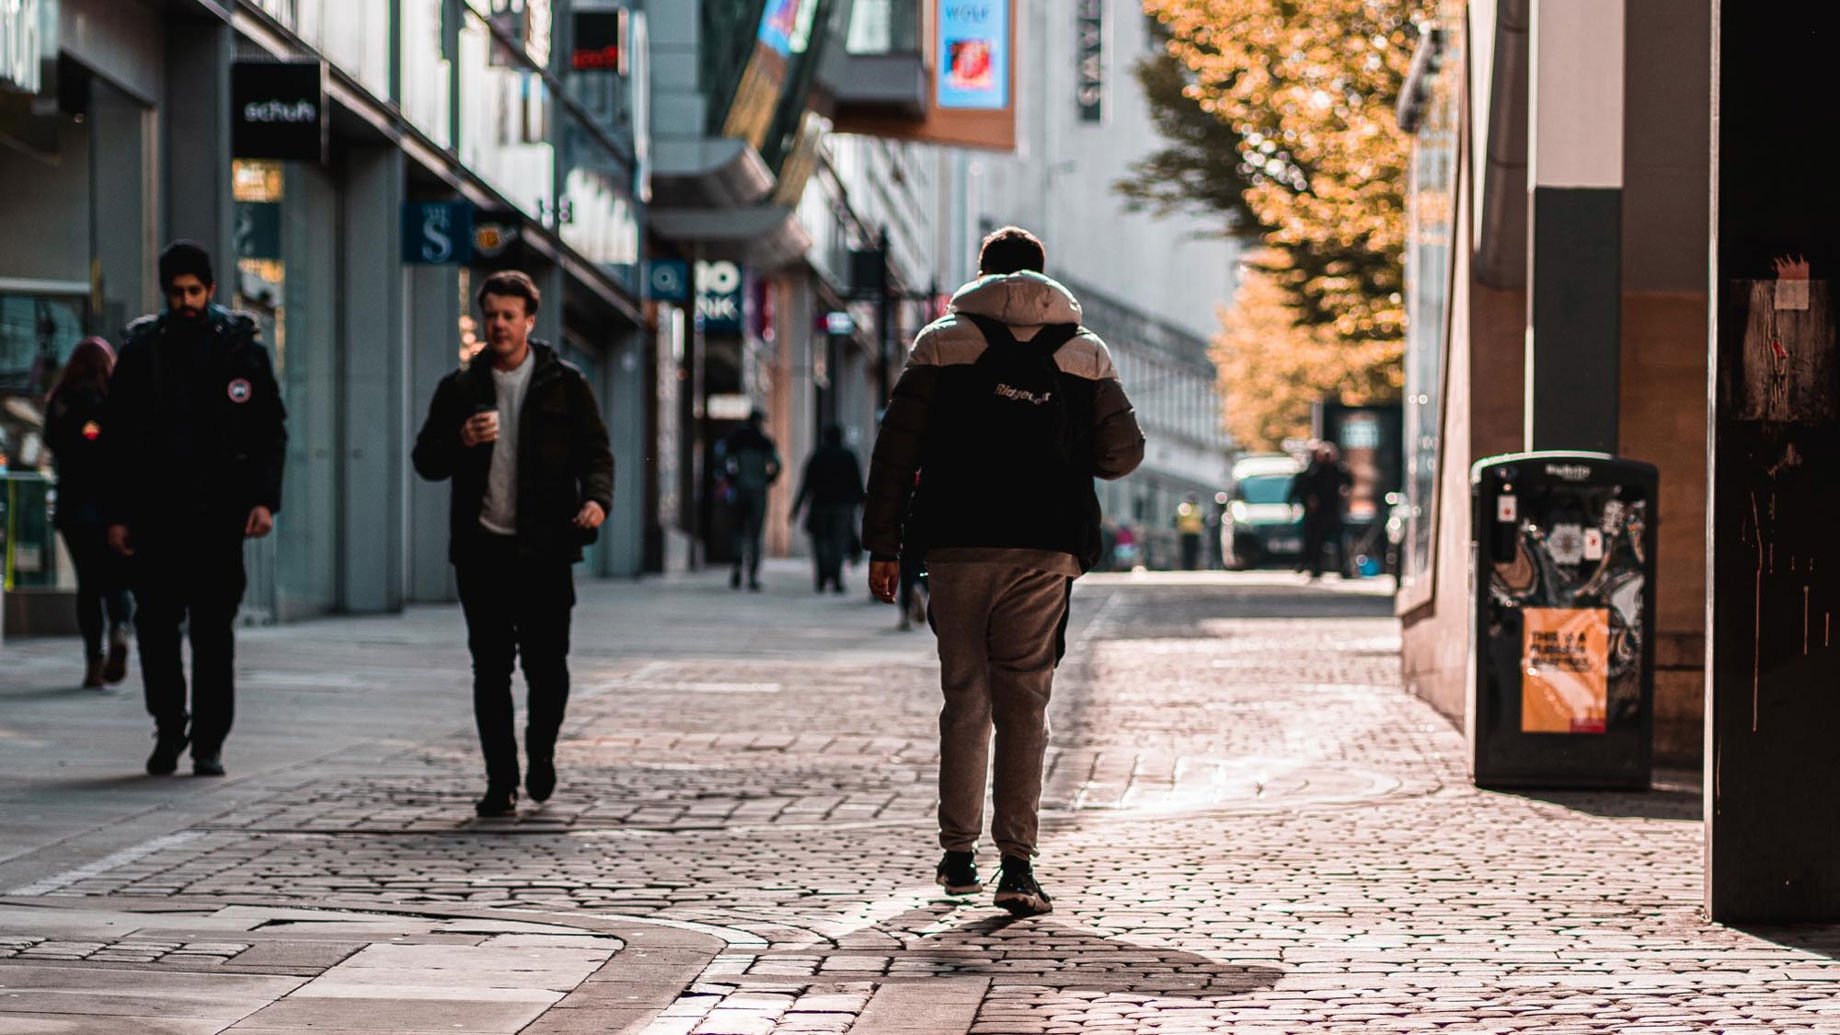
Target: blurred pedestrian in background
[(751, 462), (832, 486), (1322, 490), (1190, 524), (74, 429)]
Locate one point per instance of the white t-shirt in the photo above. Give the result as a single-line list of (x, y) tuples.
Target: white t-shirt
[(498, 512)]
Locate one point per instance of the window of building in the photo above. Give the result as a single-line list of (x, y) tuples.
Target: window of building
[(1431, 204)]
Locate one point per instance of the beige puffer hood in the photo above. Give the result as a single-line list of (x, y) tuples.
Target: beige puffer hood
[(1022, 299)]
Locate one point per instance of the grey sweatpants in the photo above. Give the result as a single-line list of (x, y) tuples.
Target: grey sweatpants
[(999, 631)]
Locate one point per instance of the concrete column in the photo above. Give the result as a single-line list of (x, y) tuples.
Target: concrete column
[(432, 309), (197, 145), (120, 181), (372, 383), (623, 401), (1575, 172), (551, 283)]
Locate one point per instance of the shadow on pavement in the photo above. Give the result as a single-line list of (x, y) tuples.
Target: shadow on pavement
[(1181, 610), (1821, 939), (1655, 803), (1049, 952)]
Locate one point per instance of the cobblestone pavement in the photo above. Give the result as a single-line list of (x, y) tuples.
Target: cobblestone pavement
[(1248, 827)]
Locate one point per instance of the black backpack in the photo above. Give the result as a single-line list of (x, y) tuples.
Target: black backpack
[(1006, 464), (1022, 402)]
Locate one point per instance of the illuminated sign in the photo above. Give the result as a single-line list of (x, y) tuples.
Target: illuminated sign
[(599, 42), (973, 57), (278, 110), (718, 297)]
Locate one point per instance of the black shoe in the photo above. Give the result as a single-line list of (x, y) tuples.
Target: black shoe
[(957, 873), (734, 579), (496, 803), (115, 668), (207, 765), (540, 779), (1018, 891), (165, 758)]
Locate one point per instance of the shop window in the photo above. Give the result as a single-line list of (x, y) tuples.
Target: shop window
[(1431, 230), (258, 189)]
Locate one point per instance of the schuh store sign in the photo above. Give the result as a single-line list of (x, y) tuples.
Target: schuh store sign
[(278, 110)]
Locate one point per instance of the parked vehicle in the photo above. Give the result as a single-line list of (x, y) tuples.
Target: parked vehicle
[(1261, 527)]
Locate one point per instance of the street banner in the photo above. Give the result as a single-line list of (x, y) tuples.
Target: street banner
[(1565, 669)]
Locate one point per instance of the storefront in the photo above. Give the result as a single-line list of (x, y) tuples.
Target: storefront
[(76, 130)]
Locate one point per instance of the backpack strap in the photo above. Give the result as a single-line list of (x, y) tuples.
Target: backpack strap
[(1045, 343)]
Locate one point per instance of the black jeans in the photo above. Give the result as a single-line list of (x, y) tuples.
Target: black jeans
[(1191, 551), (517, 611), (194, 579), (1315, 537), (830, 540), (102, 580), (750, 521)]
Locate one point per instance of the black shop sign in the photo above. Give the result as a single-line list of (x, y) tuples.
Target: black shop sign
[(278, 110)]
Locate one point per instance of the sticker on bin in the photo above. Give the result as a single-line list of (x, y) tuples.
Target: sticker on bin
[(1565, 670), (1593, 544), (1507, 509)]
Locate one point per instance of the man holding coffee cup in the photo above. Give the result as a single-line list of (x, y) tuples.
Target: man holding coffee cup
[(519, 432)]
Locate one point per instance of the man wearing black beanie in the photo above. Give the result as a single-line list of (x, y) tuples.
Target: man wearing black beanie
[(196, 438)]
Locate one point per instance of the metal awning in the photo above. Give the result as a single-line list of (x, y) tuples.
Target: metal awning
[(763, 237)]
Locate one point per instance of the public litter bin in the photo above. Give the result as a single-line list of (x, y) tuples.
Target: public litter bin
[(1562, 645)]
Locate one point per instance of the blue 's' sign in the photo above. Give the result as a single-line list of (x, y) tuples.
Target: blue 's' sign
[(437, 233)]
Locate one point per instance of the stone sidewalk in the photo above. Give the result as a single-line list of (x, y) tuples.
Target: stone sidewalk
[(1248, 827)]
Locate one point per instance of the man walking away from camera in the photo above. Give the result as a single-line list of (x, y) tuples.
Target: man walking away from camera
[(1006, 412)]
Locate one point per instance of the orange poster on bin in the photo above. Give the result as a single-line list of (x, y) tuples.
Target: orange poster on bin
[(1565, 670)]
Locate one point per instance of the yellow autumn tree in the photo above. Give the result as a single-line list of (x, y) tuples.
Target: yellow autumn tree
[(1308, 88), (1273, 367)]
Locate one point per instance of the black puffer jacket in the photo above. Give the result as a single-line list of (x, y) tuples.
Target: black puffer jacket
[(194, 429), (929, 489), (564, 459)]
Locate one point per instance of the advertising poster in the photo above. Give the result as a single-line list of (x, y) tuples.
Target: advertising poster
[(1565, 670), (785, 35), (973, 68)]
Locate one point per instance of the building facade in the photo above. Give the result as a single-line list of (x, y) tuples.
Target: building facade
[(1480, 272), (327, 210)]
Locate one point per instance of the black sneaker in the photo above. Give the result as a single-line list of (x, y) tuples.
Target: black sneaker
[(1018, 891), (496, 803), (166, 748), (957, 873), (540, 779), (207, 765)]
